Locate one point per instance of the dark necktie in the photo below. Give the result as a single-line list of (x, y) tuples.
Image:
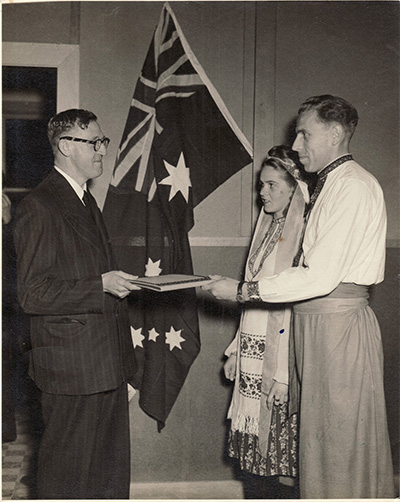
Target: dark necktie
[(90, 204), (322, 176), (95, 213)]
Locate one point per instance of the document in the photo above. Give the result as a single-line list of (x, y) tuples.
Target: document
[(171, 282)]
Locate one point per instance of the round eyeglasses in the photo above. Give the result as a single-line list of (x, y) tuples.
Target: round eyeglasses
[(95, 142)]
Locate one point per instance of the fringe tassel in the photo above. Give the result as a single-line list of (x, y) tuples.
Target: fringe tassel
[(245, 423)]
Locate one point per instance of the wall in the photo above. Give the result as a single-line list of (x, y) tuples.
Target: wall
[(349, 49), (55, 22), (264, 58)]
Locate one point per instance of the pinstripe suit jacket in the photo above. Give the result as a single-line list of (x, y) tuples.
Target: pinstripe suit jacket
[(81, 341)]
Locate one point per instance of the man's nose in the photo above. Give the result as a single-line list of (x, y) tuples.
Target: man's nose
[(297, 144), (102, 150)]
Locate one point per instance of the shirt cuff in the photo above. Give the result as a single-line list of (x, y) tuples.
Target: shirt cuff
[(251, 291), (281, 377)]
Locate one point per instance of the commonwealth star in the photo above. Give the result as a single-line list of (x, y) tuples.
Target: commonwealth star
[(179, 178)]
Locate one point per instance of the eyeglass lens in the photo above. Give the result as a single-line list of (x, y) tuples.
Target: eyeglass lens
[(99, 142)]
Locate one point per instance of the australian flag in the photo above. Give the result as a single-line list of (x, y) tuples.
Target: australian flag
[(179, 144)]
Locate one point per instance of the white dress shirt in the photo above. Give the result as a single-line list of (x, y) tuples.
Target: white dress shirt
[(344, 241), (77, 188)]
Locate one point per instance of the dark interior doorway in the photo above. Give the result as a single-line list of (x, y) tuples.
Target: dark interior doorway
[(29, 100)]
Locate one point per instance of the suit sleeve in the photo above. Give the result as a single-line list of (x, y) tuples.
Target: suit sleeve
[(41, 291)]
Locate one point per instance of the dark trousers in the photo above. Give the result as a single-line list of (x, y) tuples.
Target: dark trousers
[(8, 386), (85, 449)]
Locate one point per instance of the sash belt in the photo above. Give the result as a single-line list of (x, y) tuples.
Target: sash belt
[(345, 297)]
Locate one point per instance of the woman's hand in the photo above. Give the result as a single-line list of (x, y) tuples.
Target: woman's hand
[(277, 395), (230, 367)]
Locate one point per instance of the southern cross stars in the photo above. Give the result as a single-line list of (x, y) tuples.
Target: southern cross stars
[(173, 337), (153, 335), (137, 337), (179, 178)]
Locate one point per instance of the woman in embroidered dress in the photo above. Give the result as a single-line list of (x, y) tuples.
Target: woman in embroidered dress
[(262, 435)]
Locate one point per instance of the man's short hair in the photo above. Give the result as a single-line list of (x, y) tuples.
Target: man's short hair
[(64, 121), (332, 109)]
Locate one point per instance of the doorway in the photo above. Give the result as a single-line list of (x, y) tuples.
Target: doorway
[(29, 101)]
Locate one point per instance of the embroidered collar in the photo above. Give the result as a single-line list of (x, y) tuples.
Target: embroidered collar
[(333, 165)]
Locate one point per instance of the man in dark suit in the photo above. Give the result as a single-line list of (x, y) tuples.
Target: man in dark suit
[(82, 353)]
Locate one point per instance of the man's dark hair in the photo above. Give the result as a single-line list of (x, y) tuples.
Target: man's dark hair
[(332, 109), (60, 124)]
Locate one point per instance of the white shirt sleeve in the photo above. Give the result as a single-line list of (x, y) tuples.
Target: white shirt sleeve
[(334, 245)]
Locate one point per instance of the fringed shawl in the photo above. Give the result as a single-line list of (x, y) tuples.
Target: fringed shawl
[(265, 324)]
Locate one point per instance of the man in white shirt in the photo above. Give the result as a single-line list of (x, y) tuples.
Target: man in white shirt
[(344, 445)]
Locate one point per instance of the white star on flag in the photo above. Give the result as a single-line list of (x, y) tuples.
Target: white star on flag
[(152, 268), (153, 335), (137, 337), (174, 339), (179, 178)]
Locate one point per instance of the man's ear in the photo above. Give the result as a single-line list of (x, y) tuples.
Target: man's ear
[(64, 146), (337, 134)]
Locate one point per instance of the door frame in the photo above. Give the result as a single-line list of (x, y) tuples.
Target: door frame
[(61, 56)]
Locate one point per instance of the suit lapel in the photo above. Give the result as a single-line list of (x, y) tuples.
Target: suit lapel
[(77, 215)]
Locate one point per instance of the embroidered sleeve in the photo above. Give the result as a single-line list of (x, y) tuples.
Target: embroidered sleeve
[(252, 291)]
